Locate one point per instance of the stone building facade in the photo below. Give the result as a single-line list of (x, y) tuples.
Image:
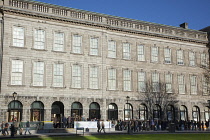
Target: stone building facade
[(63, 61)]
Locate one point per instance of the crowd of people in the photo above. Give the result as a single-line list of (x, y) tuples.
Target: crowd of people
[(14, 127), (146, 125)]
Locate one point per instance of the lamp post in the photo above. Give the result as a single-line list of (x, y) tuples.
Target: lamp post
[(14, 94)]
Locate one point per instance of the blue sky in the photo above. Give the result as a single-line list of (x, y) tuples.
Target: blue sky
[(168, 12)]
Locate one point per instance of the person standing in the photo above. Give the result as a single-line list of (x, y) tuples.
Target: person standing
[(2, 128), (6, 128), (98, 125), (12, 129), (27, 127)]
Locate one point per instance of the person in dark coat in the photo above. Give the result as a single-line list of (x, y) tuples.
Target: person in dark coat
[(12, 129), (98, 125)]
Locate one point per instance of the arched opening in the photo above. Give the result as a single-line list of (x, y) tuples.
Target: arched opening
[(128, 112), (37, 111), (112, 112), (157, 112), (207, 113), (57, 112), (170, 113), (94, 111), (196, 114), (143, 113), (15, 109), (183, 113), (76, 110)]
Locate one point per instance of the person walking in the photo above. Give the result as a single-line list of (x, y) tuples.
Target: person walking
[(27, 128), (102, 127)]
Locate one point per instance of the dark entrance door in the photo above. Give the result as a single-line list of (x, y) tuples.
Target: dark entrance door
[(112, 112), (57, 113), (94, 111)]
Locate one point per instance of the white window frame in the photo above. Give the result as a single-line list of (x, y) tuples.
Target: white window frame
[(76, 76), (127, 51), (205, 86), (112, 79), (192, 58), (77, 44), (58, 73), (112, 51), (93, 77), (167, 55), (168, 82), (155, 82), (59, 41), (204, 60), (127, 80), (38, 74), (180, 57), (140, 53), (18, 36), (154, 54), (17, 72), (141, 81), (94, 46), (193, 84), (181, 83), (39, 39)]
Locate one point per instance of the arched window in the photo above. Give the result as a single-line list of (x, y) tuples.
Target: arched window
[(196, 113), (37, 111), (112, 112), (207, 113), (76, 109), (94, 111), (157, 112), (15, 109), (143, 114), (170, 113), (128, 112), (183, 113)]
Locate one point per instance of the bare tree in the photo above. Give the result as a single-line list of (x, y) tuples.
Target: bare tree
[(158, 94)]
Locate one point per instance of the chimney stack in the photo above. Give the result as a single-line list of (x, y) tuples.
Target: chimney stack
[(184, 25)]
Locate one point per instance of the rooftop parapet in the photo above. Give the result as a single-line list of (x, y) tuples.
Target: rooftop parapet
[(102, 20)]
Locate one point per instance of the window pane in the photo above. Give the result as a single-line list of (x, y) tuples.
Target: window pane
[(93, 77), (167, 53), (127, 80), (38, 74), (112, 49), (39, 39), (58, 41), (18, 36), (76, 76), (112, 79), (126, 51), (17, 72), (140, 51), (58, 75), (154, 54), (77, 44), (93, 46)]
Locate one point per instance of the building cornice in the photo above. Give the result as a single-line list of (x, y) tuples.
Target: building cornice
[(64, 14)]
